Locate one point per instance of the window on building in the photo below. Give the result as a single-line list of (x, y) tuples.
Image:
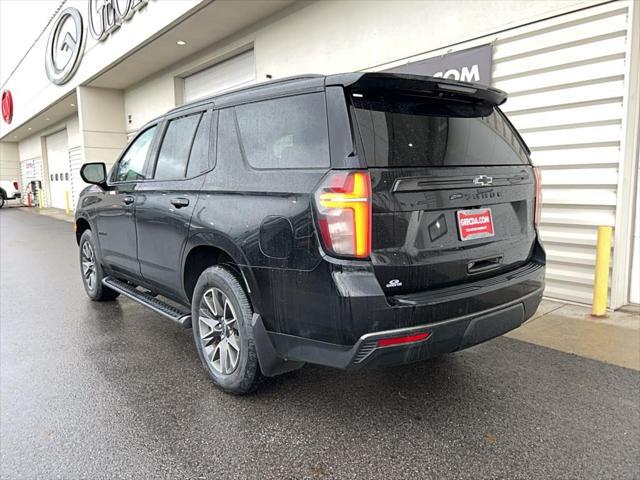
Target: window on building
[(288, 132), (131, 166), (176, 146)]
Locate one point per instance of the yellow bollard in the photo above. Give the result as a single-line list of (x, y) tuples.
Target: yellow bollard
[(67, 204), (601, 281), (39, 199)]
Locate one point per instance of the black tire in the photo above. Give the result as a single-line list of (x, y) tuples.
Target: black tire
[(96, 290), (1, 200), (247, 376)]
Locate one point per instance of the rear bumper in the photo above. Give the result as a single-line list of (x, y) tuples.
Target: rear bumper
[(444, 337)]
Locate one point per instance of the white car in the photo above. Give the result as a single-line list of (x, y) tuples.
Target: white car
[(9, 190)]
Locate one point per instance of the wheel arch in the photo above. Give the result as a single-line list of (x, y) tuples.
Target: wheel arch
[(203, 252), (82, 225)]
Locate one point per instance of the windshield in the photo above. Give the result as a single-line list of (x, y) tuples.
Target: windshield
[(421, 131)]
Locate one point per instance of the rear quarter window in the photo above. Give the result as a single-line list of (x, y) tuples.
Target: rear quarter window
[(285, 133)]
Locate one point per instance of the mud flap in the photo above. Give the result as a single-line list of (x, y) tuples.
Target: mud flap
[(271, 363)]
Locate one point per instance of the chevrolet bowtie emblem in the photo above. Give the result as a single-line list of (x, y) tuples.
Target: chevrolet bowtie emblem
[(483, 180)]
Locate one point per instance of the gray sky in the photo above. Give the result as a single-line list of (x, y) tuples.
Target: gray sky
[(21, 21)]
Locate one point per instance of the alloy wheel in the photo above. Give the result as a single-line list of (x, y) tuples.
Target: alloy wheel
[(219, 336), (88, 265)]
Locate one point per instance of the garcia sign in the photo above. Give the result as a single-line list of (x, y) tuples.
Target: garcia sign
[(471, 65), (67, 38), (106, 17)]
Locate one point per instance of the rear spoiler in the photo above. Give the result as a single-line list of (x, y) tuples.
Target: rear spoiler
[(418, 83)]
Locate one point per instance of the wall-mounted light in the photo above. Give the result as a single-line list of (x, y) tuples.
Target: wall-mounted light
[(72, 104), (181, 42)]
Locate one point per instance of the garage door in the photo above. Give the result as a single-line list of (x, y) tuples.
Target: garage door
[(59, 171), (233, 73)]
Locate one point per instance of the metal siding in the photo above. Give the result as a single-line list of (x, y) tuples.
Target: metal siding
[(38, 167), (565, 79), (77, 184)]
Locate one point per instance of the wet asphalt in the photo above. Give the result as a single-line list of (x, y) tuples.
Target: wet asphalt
[(112, 390)]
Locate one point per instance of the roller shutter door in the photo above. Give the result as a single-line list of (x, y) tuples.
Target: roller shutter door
[(566, 84), (233, 73), (566, 80), (59, 171)]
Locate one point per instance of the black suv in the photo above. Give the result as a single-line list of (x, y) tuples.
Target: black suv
[(351, 220)]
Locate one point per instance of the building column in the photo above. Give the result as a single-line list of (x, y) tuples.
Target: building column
[(102, 124), (9, 162)]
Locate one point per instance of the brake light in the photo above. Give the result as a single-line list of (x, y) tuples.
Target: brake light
[(343, 201), (15, 185), (538, 197), (418, 337)]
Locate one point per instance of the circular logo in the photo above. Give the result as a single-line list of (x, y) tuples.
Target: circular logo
[(7, 106), (65, 46)]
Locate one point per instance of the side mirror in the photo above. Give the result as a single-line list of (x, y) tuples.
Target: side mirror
[(94, 173)]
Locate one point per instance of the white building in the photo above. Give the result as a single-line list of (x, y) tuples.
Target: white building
[(102, 69)]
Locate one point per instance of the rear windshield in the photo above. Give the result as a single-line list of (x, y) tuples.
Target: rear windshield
[(421, 131)]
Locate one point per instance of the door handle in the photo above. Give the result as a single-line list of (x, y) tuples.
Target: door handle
[(128, 200), (180, 202)]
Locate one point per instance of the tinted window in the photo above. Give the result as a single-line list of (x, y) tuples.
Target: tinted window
[(285, 132), (132, 163), (176, 145), (228, 152), (199, 157), (425, 132)]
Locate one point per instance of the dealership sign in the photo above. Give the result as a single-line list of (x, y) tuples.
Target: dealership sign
[(7, 106), (471, 65), (65, 46), (106, 17)]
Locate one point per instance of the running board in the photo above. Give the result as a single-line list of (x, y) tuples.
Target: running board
[(179, 315)]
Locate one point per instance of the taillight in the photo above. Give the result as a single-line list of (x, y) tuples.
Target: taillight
[(538, 198), (343, 201), (15, 185)]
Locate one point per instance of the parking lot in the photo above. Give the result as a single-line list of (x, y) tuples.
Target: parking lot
[(113, 390)]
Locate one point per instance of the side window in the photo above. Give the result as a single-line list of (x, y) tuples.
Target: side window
[(176, 146), (288, 132), (228, 146), (199, 156), (132, 163)]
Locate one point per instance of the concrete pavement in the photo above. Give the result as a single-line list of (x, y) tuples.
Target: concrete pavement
[(115, 391)]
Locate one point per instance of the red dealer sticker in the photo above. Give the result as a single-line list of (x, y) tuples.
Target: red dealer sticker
[(475, 223)]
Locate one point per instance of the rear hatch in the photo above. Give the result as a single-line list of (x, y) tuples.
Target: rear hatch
[(453, 190)]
